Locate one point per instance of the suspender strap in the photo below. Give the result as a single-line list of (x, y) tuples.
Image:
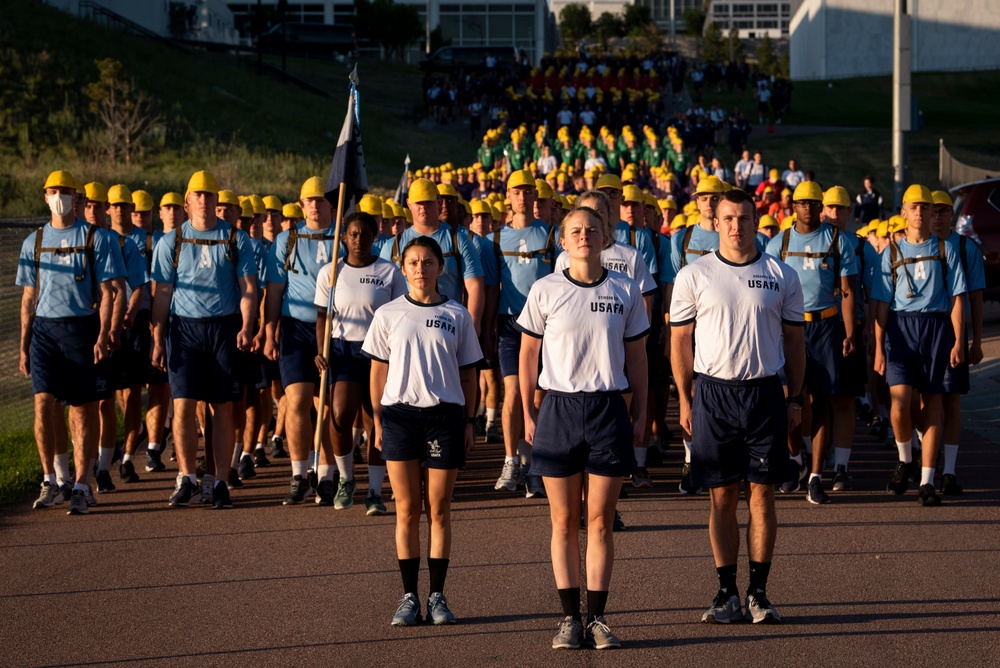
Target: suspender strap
[(232, 251), (631, 237), (38, 254), (684, 246), (88, 258), (396, 256), (149, 252)]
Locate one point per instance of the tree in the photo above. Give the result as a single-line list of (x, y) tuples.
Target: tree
[(575, 22), (767, 60), (713, 46), (388, 24), (737, 51), (182, 19), (127, 113), (609, 26), (636, 19), (694, 21)]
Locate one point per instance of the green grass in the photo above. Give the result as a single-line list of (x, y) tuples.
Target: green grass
[(20, 470)]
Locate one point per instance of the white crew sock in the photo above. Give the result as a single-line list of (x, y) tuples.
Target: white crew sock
[(817, 476), (508, 459), (687, 450), (194, 479), (246, 455), (841, 456), (357, 433), (905, 451), (376, 476), (491, 416), (917, 439), (345, 465), (126, 458), (640, 456), (797, 459), (259, 446), (153, 446), (80, 486), (950, 457), (61, 464), (300, 468), (50, 478), (523, 453), (107, 454), (325, 472), (481, 409), (926, 475), (807, 443)]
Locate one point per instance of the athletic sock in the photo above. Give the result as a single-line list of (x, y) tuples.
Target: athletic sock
[(237, 451), (797, 459), (345, 465), (815, 475), (218, 481), (300, 468), (409, 569), (376, 476), (153, 446), (905, 451), (807, 444), (523, 453), (926, 475), (841, 456), (727, 579), (640, 461), (481, 409), (570, 601), (50, 478), (950, 457), (193, 478), (126, 458), (246, 455), (507, 459), (107, 454), (596, 602), (80, 486), (61, 464), (356, 434), (687, 450), (438, 571), (491, 416), (759, 570), (325, 472), (259, 446)]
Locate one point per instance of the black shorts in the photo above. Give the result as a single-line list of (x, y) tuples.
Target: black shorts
[(347, 364), (828, 372), (508, 344), (130, 363), (202, 359), (918, 350), (62, 360), (252, 370), (739, 432), (434, 436), (297, 352), (583, 432)]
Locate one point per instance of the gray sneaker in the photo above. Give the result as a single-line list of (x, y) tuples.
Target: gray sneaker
[(437, 609), (571, 634), (725, 609), (78, 503), (760, 610), (88, 494), (345, 495), (841, 480), (508, 477), (533, 486), (374, 505), (49, 496), (408, 612), (816, 494), (207, 489), (600, 635)]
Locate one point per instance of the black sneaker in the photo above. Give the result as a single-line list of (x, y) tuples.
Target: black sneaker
[(298, 491), (184, 491), (246, 469), (950, 486), (927, 497), (686, 486), (278, 448), (900, 477), (325, 492), (119, 453), (104, 484), (234, 479), (619, 523), (221, 498), (127, 472), (260, 458), (841, 480), (153, 461)]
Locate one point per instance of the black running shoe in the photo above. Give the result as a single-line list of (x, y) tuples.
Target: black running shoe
[(950, 486), (247, 470), (104, 484), (927, 497), (278, 448), (325, 492), (184, 492), (127, 472), (900, 478), (260, 458), (153, 461), (298, 491), (234, 479), (221, 498)]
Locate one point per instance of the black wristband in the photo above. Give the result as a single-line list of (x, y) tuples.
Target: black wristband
[(796, 400)]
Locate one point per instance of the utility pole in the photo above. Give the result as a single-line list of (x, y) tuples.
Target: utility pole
[(673, 17), (902, 64)]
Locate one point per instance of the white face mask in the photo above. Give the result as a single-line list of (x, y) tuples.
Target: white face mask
[(60, 205)]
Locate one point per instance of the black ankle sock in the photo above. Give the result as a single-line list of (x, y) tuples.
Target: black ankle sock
[(570, 600), (410, 570), (596, 601), (727, 579), (439, 571), (759, 571)]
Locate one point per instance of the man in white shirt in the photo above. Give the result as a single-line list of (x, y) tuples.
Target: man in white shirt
[(793, 176)]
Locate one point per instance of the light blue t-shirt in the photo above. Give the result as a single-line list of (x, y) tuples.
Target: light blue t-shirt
[(205, 281), (260, 259), (819, 284), (873, 265), (58, 292), (975, 272), (515, 274), (663, 261), (643, 244), (309, 257), (380, 241), (700, 240), (136, 271), (450, 284), (928, 293)]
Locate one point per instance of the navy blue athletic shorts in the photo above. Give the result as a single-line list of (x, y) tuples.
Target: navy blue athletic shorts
[(828, 372), (508, 345), (739, 432), (130, 363), (202, 357), (347, 364), (918, 350), (583, 432), (272, 371), (297, 352), (435, 436), (61, 360), (252, 370)]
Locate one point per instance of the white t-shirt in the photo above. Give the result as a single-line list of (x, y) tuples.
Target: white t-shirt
[(425, 346), (584, 328), (739, 311), (360, 292), (622, 259)]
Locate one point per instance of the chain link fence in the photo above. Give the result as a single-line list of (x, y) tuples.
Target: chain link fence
[(953, 172), (16, 405)]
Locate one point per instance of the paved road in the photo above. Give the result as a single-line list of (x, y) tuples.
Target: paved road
[(870, 579)]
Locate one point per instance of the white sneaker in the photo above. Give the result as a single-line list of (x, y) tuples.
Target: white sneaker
[(508, 477), (760, 610), (725, 609), (49, 496)]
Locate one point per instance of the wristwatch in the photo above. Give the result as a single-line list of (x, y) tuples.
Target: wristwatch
[(796, 400)]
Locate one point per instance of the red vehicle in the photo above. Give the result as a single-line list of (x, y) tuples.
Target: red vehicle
[(977, 214)]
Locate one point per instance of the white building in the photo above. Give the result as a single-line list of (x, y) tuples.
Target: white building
[(753, 18), (213, 20), (836, 39)]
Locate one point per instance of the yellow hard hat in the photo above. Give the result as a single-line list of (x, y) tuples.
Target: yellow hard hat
[(271, 203), (96, 192), (864, 230), (408, 215), (498, 211), (314, 187), (465, 205), (423, 190), (836, 196), (481, 208), (371, 205), (941, 197), (246, 208), (693, 219), (609, 181), (650, 201), (773, 174), (918, 194), (632, 195), (202, 182), (292, 210), (566, 204), (521, 177), (119, 194), (544, 189), (60, 179), (229, 197), (786, 223), (710, 185), (767, 221), (669, 176), (786, 191), (446, 190), (898, 223), (883, 228), (668, 204), (143, 201), (387, 210), (679, 221), (768, 189), (808, 190), (257, 203), (172, 199)]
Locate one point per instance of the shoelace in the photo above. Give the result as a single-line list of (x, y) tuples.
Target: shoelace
[(601, 625), (761, 599)]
